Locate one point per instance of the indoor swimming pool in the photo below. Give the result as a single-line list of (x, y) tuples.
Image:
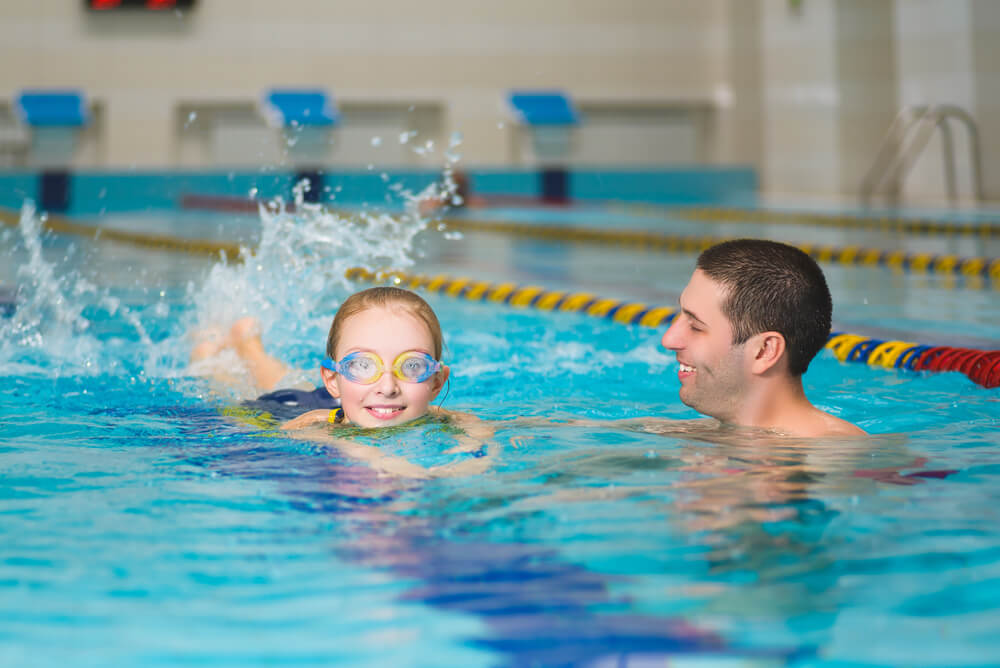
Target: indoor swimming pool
[(144, 524)]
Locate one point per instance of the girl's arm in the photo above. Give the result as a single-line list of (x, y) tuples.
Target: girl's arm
[(312, 426), (477, 431)]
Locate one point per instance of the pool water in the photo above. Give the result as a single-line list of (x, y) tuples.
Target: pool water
[(142, 526)]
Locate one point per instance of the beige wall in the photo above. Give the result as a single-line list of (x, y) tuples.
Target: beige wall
[(803, 90), (934, 51), (456, 56), (986, 65)]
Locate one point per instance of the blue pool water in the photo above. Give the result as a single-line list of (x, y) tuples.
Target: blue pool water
[(141, 526)]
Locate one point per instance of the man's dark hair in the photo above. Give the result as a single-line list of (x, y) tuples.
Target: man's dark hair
[(775, 287)]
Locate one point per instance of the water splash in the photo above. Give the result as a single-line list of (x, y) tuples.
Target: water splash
[(51, 305), (49, 316), (296, 274), (292, 282)]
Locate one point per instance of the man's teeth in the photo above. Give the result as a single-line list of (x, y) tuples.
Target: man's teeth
[(687, 369)]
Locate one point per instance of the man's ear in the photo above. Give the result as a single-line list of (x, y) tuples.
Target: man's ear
[(440, 378), (768, 349), (330, 382)]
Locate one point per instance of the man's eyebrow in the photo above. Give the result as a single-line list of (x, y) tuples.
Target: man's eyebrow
[(691, 315)]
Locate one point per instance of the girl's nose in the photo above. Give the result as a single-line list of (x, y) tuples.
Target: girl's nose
[(388, 384)]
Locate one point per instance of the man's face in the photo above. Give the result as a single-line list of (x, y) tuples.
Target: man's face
[(713, 372)]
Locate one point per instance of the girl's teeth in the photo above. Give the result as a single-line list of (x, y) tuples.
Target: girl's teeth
[(686, 368)]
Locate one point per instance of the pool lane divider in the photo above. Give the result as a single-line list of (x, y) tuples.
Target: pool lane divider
[(981, 366), (902, 225), (61, 225), (947, 264), (972, 269), (892, 224)]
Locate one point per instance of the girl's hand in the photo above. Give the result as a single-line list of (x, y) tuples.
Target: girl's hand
[(310, 419)]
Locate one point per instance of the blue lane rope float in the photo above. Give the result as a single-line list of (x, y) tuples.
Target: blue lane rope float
[(981, 366), (895, 224)]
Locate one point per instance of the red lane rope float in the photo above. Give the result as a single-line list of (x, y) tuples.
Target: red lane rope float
[(922, 362), (978, 368), (991, 378)]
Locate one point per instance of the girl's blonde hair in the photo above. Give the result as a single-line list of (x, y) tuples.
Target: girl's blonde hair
[(384, 297)]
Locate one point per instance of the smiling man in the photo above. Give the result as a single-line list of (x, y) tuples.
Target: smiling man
[(752, 317)]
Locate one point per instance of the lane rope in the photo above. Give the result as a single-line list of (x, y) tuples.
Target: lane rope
[(923, 263), (981, 366), (972, 270), (886, 223), (61, 225)]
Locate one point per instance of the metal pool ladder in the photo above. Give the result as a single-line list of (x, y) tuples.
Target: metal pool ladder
[(908, 137)]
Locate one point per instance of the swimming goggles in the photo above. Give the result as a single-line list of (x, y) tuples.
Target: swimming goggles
[(366, 368)]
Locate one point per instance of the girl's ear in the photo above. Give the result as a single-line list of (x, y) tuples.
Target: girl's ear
[(330, 382), (440, 378), (768, 349)]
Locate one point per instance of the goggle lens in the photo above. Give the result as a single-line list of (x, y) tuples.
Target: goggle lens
[(366, 367)]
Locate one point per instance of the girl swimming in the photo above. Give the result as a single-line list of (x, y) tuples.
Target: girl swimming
[(383, 368)]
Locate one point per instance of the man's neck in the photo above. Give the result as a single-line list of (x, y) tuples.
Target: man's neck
[(776, 403)]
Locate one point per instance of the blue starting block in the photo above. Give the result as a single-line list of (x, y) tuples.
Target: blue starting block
[(287, 107), (543, 108), (55, 117), (549, 117), (52, 108)]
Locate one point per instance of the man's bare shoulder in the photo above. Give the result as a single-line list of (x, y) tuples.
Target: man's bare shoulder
[(835, 426)]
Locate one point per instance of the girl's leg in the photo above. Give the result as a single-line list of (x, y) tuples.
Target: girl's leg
[(265, 369), (215, 357)]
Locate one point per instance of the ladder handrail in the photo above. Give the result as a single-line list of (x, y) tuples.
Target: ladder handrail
[(908, 153), (889, 149), (975, 157), (899, 149)]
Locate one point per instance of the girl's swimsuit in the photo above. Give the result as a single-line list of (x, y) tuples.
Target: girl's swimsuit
[(289, 403)]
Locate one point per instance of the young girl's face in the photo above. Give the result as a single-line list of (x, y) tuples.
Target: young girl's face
[(388, 401)]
